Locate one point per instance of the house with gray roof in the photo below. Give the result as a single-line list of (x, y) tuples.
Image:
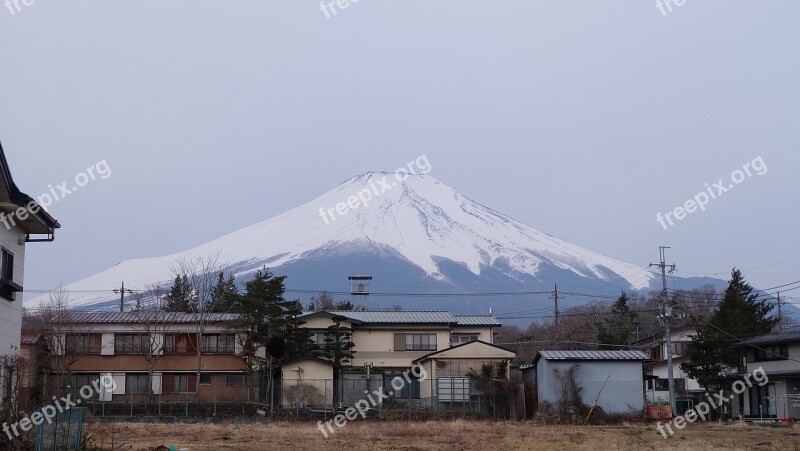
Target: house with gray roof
[(446, 346), (777, 355)]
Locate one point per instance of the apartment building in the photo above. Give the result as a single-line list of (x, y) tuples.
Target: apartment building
[(127, 346)]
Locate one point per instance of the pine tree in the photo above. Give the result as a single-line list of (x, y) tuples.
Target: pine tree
[(338, 349), (740, 315), (339, 345), (179, 298), (298, 338), (262, 311), (225, 294), (617, 329)]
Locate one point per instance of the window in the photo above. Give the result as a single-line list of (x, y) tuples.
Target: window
[(421, 342), (84, 380), (82, 344), (773, 352), (235, 379), (656, 353), (205, 379), (179, 383), (180, 344), (680, 348), (7, 285), (461, 368), (457, 339), (415, 342), (131, 344), (319, 338), (137, 383), (222, 344), (661, 384)]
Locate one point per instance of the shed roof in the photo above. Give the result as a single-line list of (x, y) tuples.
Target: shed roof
[(591, 355)]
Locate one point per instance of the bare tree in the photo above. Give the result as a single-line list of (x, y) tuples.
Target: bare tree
[(12, 365), (154, 323), (65, 339), (322, 301), (202, 273)]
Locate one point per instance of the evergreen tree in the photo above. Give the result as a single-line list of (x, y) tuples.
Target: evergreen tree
[(339, 345), (617, 329), (740, 315), (298, 338), (225, 294), (338, 349), (180, 297), (262, 312)]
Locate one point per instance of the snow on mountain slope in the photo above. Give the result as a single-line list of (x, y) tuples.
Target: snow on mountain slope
[(421, 218)]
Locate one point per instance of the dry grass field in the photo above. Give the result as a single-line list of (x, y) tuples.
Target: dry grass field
[(441, 435)]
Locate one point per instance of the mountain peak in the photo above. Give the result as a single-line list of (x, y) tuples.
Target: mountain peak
[(415, 218)]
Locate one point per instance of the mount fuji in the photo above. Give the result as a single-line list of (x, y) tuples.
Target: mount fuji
[(416, 236)]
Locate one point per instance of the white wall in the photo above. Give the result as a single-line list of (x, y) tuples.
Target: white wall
[(622, 393), (11, 312)]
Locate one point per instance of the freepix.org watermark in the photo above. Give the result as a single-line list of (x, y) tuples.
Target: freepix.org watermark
[(363, 406), (713, 401), (332, 7), (666, 5), (60, 405), (100, 169), (15, 6), (420, 165), (712, 191)]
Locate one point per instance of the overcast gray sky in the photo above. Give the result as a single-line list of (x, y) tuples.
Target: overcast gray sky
[(582, 119)]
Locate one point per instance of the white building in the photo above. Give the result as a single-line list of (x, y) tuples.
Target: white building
[(612, 378), (688, 391), (22, 220)]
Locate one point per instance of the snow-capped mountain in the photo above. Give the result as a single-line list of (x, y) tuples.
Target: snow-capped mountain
[(413, 235)]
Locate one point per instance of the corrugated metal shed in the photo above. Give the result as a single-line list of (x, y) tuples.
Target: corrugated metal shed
[(477, 320), (592, 355)]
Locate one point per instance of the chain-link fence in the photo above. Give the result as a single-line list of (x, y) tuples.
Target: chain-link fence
[(62, 432), (377, 396), (389, 398)]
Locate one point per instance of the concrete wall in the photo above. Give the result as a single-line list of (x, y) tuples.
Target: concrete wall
[(311, 373), (623, 393)]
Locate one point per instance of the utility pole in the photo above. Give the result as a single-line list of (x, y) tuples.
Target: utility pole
[(555, 313), (122, 292), (665, 314)]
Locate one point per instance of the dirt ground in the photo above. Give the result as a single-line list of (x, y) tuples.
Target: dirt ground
[(442, 435)]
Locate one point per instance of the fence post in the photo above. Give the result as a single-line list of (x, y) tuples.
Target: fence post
[(464, 395)]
